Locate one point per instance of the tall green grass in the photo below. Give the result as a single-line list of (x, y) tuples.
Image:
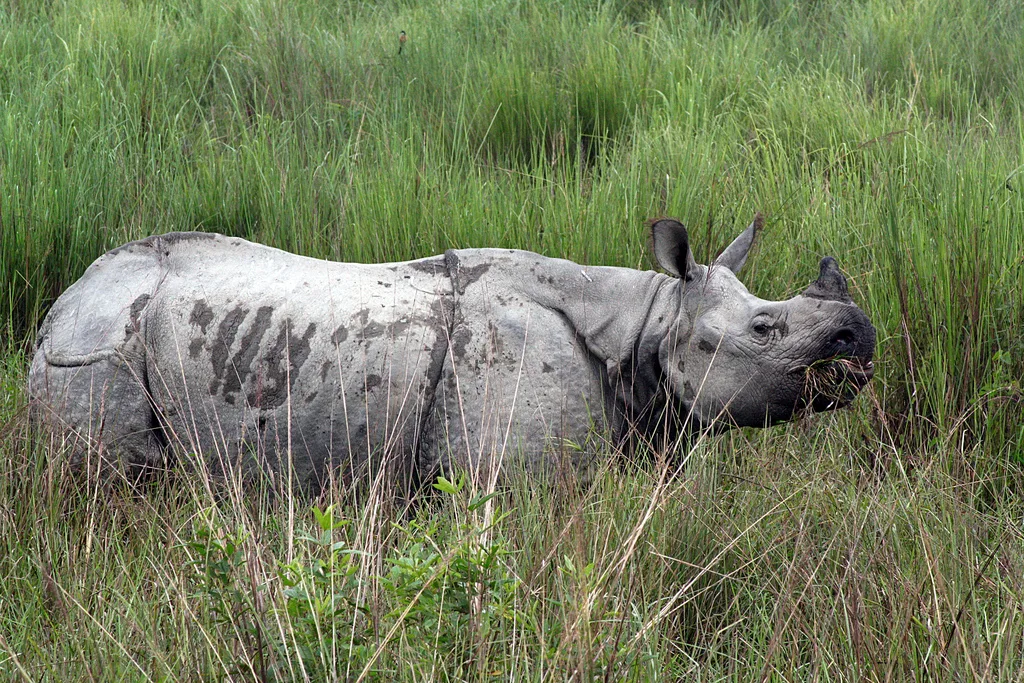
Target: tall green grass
[(881, 543)]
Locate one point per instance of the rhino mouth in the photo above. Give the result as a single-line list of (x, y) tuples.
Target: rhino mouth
[(834, 383)]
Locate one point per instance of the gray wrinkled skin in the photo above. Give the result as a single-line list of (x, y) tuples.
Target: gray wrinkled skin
[(193, 343)]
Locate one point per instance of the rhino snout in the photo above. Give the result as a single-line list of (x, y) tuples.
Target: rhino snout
[(845, 364)]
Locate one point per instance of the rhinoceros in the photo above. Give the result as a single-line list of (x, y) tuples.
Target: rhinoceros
[(237, 355)]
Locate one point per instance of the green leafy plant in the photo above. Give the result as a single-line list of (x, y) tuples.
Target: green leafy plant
[(453, 585), (329, 627), (228, 587)]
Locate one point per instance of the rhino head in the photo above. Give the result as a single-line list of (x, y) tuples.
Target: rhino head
[(733, 359)]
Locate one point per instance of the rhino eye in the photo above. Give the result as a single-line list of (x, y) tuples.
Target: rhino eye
[(762, 329)]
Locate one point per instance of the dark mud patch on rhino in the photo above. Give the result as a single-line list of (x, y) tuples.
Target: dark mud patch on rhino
[(372, 382), (171, 238), (545, 368), (162, 242), (227, 330), (468, 276), (242, 362), (134, 312), (367, 329), (371, 330), (399, 327), (460, 337), (202, 315), (283, 362), (463, 277), (325, 369), (432, 266), (339, 335)]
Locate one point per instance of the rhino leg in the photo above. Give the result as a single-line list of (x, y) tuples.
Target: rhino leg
[(100, 407)]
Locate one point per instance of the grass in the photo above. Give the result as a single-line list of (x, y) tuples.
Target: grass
[(880, 543)]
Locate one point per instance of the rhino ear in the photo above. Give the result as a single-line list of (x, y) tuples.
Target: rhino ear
[(671, 245), (735, 255)]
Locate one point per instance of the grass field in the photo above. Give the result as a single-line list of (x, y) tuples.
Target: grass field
[(880, 543)]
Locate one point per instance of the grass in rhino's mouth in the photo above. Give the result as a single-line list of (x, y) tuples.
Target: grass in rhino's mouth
[(835, 382)]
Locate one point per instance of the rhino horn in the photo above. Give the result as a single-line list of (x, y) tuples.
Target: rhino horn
[(671, 245), (735, 255), (830, 285)]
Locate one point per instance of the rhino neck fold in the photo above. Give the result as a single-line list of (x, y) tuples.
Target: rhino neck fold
[(608, 307), (622, 316)]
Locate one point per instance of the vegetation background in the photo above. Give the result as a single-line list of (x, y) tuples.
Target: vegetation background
[(881, 543)]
